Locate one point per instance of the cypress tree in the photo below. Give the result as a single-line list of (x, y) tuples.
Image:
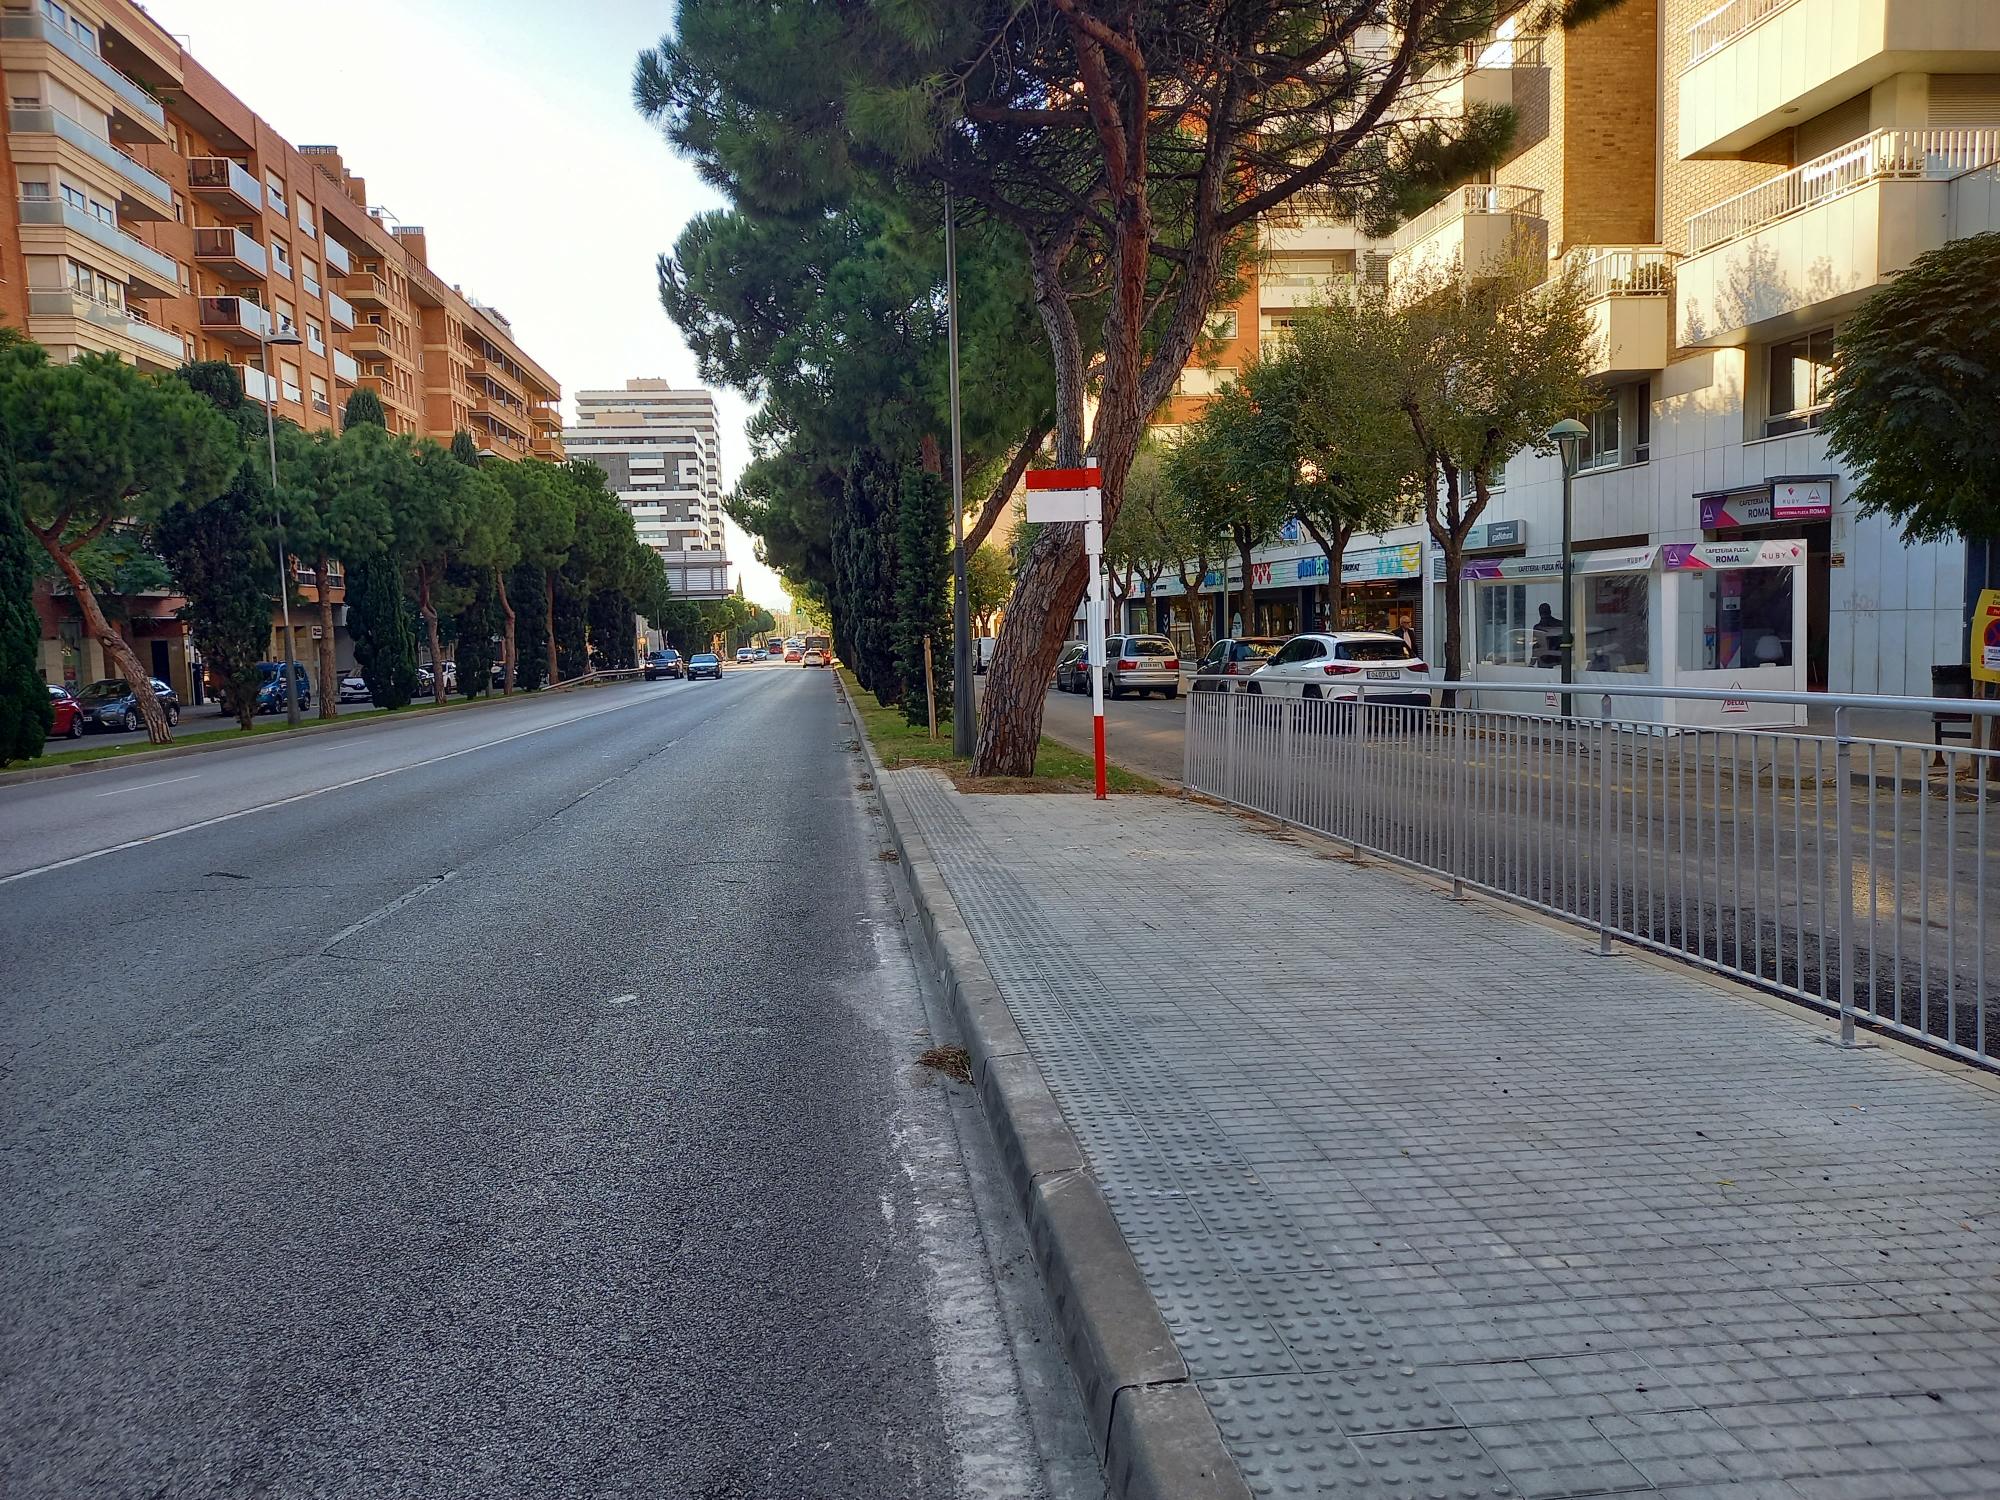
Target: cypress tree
[(385, 644), (531, 642), (24, 698), (571, 623), (923, 578), (474, 627), (363, 406)]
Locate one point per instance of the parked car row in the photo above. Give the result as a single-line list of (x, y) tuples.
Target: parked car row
[(1340, 664), (106, 707)]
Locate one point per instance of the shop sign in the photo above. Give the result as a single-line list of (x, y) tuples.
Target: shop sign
[(1406, 561), (1694, 557), (1489, 536), (1291, 531), (1513, 567), (1725, 512), (1801, 499), (1736, 705), (1616, 560), (1789, 497)]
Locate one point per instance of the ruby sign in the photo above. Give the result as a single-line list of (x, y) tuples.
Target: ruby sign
[(1800, 500)]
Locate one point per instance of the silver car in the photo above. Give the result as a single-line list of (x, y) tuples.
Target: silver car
[(1141, 664)]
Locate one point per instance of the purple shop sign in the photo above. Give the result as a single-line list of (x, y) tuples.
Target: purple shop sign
[(1726, 512), (1481, 568)]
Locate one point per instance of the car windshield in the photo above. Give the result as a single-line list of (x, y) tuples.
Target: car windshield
[(1257, 650), (1385, 648), (102, 692), (704, 658), (1148, 645)]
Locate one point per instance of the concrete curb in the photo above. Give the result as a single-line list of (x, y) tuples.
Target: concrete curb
[(1154, 1434), (275, 737)]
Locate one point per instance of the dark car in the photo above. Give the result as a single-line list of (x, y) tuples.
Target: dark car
[(1073, 668), (665, 663), (707, 664), (68, 720), (1234, 656), (110, 705), (271, 687)]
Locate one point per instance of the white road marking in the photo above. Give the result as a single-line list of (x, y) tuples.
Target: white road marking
[(145, 785), (623, 999), (338, 786)]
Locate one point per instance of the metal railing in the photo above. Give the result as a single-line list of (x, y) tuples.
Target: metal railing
[(1855, 872), (220, 172), (1935, 154), (69, 303), (1474, 198), (37, 121), (213, 242), (1623, 271), (1725, 24), (1506, 52), (160, 268), (133, 97)]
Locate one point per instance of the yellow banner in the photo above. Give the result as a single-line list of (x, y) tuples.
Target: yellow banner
[(1986, 637)]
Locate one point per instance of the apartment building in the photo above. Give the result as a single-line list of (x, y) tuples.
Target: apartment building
[(1730, 182), (660, 448), (159, 218)]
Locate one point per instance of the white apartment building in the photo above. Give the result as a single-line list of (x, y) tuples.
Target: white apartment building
[(659, 446)]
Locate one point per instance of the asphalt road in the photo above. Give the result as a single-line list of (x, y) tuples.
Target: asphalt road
[(1140, 734), (511, 1103)]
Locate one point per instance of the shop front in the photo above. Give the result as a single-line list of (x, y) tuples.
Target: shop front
[(1789, 506), (1713, 615)]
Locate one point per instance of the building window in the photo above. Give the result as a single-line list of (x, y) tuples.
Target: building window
[(287, 316), (1601, 448), (1642, 425), (275, 185), (35, 192), (1800, 373), (1733, 618), (1518, 624), (1222, 325), (320, 403), (1617, 622), (180, 209), (281, 257), (74, 197), (306, 224)]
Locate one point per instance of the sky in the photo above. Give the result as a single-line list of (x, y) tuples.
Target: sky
[(506, 129)]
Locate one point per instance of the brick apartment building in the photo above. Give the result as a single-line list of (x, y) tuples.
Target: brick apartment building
[(159, 218)]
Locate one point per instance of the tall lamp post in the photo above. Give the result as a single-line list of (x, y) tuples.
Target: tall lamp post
[(283, 338), (964, 711), (1567, 434)]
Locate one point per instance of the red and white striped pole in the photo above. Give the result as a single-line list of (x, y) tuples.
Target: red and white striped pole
[(1077, 495)]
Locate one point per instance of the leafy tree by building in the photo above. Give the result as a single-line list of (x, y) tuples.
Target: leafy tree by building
[(24, 698), (989, 580), (923, 593), (98, 445), (385, 645)]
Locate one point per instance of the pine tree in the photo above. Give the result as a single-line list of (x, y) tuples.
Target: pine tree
[(363, 406), (24, 698), (385, 645), (923, 592)]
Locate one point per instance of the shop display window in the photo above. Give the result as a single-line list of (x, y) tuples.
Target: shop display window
[(1518, 624), (1735, 618), (1617, 622)]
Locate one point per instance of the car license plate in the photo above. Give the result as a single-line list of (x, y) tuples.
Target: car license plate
[(1390, 673)]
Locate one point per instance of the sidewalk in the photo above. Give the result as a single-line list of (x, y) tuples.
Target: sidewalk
[(1436, 1202)]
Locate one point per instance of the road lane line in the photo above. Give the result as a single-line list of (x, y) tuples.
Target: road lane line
[(145, 785), (338, 786)]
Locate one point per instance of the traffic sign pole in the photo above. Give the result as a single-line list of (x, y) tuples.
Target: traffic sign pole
[(1093, 547), (1057, 495)]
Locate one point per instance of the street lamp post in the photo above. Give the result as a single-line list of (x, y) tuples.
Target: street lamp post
[(1567, 434), (964, 712), (283, 338)]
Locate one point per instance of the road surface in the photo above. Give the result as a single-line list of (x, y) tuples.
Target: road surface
[(508, 1103)]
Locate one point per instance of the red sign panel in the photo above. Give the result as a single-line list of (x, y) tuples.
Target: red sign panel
[(1065, 479)]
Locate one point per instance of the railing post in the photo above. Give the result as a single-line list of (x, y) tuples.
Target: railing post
[(1187, 736), (1604, 820), (1229, 746), (1288, 796), (1843, 841), (1459, 814)]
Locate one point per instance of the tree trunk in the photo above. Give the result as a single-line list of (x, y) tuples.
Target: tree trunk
[(1335, 548), (1249, 605), (1031, 638), (115, 645), (329, 684), (428, 608), (549, 612), (507, 642)]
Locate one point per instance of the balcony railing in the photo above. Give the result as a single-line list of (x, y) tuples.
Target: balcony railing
[(123, 320), (1623, 271), (160, 268), (339, 310), (1507, 52), (1933, 155), (55, 122), (235, 315), (1474, 198), (1725, 24), (337, 262), (222, 244), (345, 371), (133, 97), (218, 177)]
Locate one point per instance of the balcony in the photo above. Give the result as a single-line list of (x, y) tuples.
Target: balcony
[(235, 320), (225, 187), (337, 263), (339, 309), (500, 375), (135, 114), (1480, 226), (1809, 245), (142, 194), (501, 414), (1754, 67), (365, 289), (255, 384), (149, 273), (378, 339), (345, 371), (230, 254), (154, 346), (1303, 288), (545, 418), (1629, 290), (1305, 234), (1486, 75)]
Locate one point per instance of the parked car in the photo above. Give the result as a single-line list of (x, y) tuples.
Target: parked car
[(1234, 656), (271, 686), (1141, 664), (68, 720), (814, 657), (1073, 669), (110, 705), (705, 664), (354, 689), (665, 663), (426, 679), (1339, 665)]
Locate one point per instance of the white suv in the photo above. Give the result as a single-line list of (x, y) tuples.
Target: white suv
[(1343, 665)]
